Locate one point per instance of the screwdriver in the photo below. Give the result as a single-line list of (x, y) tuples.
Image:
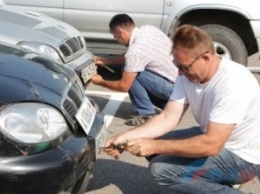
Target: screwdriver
[(120, 147)]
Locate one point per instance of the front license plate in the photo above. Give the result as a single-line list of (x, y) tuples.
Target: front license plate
[(100, 141), (86, 115), (88, 72)]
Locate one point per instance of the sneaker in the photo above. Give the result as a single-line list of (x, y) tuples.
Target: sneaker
[(237, 186), (138, 120)]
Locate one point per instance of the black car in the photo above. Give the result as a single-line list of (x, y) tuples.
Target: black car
[(50, 131)]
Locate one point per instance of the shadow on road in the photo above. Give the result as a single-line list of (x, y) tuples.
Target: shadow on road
[(106, 74), (128, 178)]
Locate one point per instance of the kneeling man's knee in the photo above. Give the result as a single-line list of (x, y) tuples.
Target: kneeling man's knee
[(162, 173)]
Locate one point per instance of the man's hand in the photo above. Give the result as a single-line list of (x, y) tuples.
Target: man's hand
[(97, 79), (100, 61), (142, 147), (111, 144)]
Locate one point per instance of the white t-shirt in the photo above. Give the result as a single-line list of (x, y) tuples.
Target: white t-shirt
[(232, 96)]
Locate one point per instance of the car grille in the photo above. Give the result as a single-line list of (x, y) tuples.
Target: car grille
[(71, 46), (72, 101), (70, 108)]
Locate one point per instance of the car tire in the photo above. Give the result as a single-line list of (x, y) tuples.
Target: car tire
[(227, 43)]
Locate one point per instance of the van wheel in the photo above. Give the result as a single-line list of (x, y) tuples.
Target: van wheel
[(227, 43)]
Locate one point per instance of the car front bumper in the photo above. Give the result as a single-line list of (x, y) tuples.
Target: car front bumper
[(48, 172), (84, 66)]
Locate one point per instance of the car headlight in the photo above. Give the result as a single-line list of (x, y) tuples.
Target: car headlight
[(32, 122), (40, 48)]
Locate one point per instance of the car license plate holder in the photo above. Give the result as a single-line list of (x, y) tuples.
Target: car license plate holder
[(86, 115), (88, 72), (100, 141)]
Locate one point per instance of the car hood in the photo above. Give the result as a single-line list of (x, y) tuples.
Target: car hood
[(29, 77), (17, 25)]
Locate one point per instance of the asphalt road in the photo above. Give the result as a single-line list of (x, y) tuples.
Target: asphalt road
[(129, 174)]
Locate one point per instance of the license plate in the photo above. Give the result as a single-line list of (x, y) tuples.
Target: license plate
[(100, 141), (86, 115), (88, 72)]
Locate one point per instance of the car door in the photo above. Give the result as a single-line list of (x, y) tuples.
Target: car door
[(53, 8), (91, 17)]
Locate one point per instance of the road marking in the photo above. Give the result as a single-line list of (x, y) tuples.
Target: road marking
[(114, 102), (106, 93)]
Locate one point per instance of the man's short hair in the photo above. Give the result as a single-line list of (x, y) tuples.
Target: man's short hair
[(120, 20), (193, 39)]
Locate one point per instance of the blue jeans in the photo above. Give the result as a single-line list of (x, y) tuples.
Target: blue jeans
[(149, 90), (213, 175)]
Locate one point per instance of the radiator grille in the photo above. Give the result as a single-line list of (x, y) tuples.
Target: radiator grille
[(72, 101), (70, 109), (71, 46)]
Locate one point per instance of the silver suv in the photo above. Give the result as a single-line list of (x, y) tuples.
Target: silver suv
[(46, 36)]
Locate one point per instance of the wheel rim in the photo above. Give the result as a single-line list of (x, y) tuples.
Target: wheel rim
[(222, 50)]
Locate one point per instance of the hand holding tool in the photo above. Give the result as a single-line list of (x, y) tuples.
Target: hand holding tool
[(120, 147)]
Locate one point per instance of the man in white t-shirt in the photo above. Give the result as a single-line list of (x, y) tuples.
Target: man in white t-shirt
[(149, 74), (224, 98)]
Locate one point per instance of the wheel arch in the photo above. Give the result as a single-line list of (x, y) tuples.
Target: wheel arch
[(230, 19)]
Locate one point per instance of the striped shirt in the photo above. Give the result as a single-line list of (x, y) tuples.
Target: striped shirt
[(150, 49)]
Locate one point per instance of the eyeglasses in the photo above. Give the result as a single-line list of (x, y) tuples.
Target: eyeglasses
[(185, 68)]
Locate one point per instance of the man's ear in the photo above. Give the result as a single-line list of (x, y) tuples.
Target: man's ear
[(206, 57), (120, 31)]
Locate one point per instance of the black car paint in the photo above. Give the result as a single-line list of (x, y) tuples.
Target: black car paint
[(31, 80), (53, 166)]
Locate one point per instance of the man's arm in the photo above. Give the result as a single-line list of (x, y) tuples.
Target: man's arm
[(155, 127), (160, 124), (114, 60), (208, 144), (122, 85)]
